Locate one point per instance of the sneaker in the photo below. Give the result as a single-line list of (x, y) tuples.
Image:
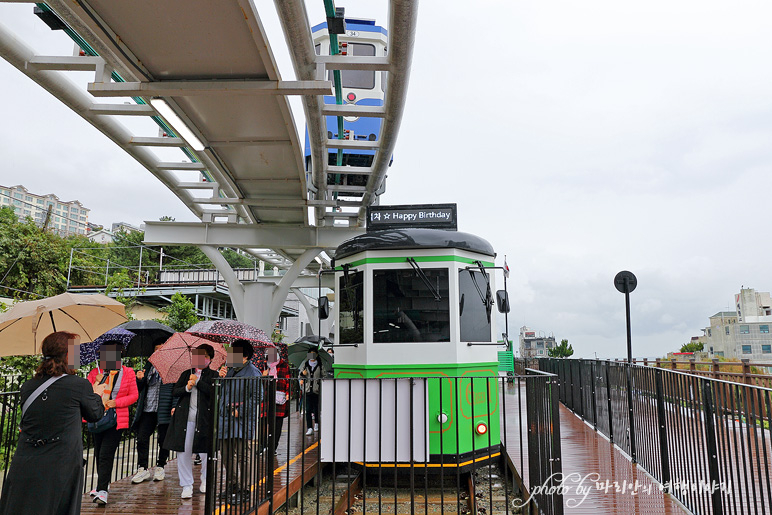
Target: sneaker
[(159, 474), (187, 492), (316, 428), (142, 475), (197, 460), (93, 492), (202, 488), (309, 432), (101, 498)]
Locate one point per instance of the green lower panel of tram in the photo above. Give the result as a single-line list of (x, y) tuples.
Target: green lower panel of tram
[(461, 398)]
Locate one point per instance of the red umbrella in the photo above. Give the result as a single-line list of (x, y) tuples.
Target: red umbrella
[(176, 355)]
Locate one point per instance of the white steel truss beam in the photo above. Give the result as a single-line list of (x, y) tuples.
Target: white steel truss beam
[(352, 144), (246, 235), (350, 170), (265, 203), (351, 62), (65, 63), (183, 88), (198, 186), (182, 167), (346, 189), (137, 141), (123, 109), (353, 110)]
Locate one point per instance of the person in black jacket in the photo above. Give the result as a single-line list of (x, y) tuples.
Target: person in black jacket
[(153, 410), (46, 474), (189, 430)]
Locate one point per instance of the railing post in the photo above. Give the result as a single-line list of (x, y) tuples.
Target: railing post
[(692, 366), (673, 364), (662, 421), (557, 463), (747, 371), (645, 362), (712, 448), (270, 453), (610, 413), (594, 402), (659, 363), (631, 415), (716, 369)]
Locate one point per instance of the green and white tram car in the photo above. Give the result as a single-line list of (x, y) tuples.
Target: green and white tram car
[(419, 303)]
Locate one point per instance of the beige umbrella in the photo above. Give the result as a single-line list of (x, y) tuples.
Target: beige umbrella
[(26, 324)]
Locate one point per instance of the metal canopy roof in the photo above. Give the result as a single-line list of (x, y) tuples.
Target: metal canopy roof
[(211, 63)]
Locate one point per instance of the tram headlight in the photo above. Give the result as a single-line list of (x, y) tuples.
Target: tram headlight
[(481, 428), (442, 418)]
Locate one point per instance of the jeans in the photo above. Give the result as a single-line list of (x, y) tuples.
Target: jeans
[(105, 445)]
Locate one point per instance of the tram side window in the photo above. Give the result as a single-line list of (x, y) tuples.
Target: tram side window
[(358, 79), (351, 308), (406, 310), (474, 320)]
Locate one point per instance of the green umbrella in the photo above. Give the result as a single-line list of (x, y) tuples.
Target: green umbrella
[(298, 352)]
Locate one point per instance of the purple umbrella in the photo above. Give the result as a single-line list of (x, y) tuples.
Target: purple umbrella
[(89, 351)]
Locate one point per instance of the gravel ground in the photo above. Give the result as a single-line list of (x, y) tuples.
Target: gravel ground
[(442, 497)]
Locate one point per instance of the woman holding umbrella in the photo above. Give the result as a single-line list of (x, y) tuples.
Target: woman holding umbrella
[(189, 430)]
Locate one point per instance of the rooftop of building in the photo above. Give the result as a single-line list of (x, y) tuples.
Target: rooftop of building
[(45, 195)]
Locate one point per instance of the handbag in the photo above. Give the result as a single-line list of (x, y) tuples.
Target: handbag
[(110, 419)]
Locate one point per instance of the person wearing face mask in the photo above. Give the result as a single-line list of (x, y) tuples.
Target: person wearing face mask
[(117, 385), (239, 405), (279, 369), (311, 373), (189, 429)]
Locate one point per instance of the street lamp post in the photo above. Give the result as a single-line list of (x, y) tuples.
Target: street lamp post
[(625, 282)]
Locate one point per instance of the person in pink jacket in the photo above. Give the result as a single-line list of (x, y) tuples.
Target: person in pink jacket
[(119, 391)]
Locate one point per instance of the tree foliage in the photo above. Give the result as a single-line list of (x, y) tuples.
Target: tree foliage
[(692, 347), (181, 313), (38, 262), (30, 258), (564, 350)]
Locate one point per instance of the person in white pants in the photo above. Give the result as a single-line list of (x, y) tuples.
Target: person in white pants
[(189, 429), (185, 462)]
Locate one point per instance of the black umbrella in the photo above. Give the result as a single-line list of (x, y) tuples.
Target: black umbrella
[(147, 333)]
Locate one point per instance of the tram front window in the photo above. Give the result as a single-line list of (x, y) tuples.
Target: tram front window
[(358, 79), (475, 319), (406, 310), (351, 308)]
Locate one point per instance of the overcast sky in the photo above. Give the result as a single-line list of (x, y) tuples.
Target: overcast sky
[(579, 138)]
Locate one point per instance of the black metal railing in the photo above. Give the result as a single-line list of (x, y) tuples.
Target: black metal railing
[(706, 440), (125, 463), (386, 444)]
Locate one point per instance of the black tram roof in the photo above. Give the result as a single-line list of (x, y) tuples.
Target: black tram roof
[(404, 239)]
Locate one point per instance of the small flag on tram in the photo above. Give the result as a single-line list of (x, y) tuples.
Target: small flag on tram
[(506, 268)]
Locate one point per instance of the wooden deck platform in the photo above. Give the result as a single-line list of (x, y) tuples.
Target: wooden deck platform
[(606, 475), (291, 467)]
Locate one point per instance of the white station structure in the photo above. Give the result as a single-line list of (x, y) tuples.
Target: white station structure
[(206, 74)]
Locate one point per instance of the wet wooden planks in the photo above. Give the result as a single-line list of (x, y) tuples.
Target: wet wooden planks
[(606, 475), (291, 467)]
